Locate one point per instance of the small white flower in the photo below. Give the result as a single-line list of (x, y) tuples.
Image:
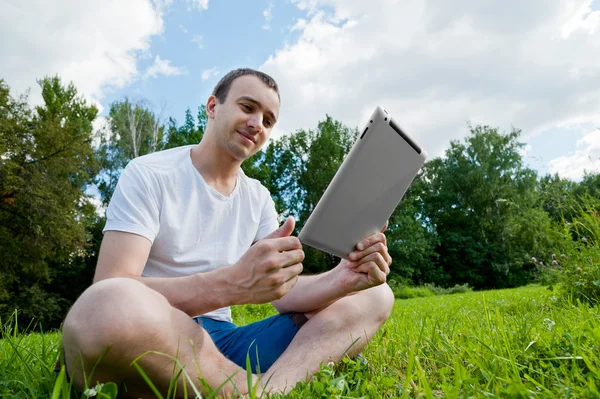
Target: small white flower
[(549, 324), (89, 392)]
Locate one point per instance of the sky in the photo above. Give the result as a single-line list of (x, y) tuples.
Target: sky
[(435, 65)]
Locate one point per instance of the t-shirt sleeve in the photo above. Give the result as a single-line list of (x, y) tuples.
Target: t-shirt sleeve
[(268, 219), (134, 206)]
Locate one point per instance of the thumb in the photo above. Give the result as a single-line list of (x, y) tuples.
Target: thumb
[(285, 229)]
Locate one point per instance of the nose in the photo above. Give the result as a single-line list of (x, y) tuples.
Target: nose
[(255, 122)]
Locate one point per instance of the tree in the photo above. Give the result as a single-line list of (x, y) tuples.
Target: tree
[(46, 161), (483, 206), (133, 130), (188, 133)]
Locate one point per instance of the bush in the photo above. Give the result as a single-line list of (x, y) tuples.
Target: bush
[(404, 290), (580, 267), (581, 275)]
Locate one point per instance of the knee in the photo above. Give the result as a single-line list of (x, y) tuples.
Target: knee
[(382, 301), (112, 312)]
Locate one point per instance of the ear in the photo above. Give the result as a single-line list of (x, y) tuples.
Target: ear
[(211, 104)]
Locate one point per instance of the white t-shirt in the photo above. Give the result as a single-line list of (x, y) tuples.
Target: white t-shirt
[(192, 227)]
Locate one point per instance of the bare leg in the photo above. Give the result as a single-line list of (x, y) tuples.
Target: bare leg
[(132, 319), (328, 334)]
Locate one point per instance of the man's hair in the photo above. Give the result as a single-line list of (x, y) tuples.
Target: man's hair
[(222, 88)]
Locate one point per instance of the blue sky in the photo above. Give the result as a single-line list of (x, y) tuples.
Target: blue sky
[(435, 65), (216, 39)]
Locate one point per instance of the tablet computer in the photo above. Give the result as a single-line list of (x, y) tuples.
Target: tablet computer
[(370, 183)]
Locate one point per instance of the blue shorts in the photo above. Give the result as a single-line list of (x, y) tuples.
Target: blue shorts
[(269, 338)]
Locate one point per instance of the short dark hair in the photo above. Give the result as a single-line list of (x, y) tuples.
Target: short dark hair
[(222, 88)]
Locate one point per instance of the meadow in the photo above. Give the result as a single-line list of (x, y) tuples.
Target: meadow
[(514, 343)]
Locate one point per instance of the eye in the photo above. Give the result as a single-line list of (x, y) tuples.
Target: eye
[(247, 107), (267, 123)]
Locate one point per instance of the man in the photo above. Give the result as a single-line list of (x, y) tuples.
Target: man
[(187, 236)]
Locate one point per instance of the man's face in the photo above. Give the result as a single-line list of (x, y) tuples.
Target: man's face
[(243, 123)]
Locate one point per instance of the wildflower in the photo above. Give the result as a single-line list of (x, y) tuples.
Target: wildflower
[(553, 256), (554, 262), (579, 268), (549, 324), (91, 392), (583, 239), (563, 255), (541, 263), (533, 259)]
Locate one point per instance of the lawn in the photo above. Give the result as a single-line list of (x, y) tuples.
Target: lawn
[(507, 343)]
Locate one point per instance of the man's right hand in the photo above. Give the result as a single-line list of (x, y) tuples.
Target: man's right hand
[(270, 268)]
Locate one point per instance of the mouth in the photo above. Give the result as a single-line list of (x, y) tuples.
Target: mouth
[(247, 137)]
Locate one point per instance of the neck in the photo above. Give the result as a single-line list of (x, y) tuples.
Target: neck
[(217, 167)]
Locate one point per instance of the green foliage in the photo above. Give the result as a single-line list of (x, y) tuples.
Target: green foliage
[(403, 289), (482, 205), (191, 132), (411, 240), (580, 266), (46, 161)]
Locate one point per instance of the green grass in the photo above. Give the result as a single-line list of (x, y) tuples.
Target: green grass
[(507, 343)]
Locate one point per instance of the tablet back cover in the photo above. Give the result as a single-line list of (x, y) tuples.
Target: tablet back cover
[(366, 189)]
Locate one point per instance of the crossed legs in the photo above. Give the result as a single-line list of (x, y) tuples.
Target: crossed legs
[(133, 319)]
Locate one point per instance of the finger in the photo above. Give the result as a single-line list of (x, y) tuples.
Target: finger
[(377, 247), (284, 230), (289, 284), (374, 274), (292, 272), (285, 243), (290, 258), (370, 240), (384, 228), (378, 260)]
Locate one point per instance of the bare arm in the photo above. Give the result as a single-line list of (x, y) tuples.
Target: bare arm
[(125, 254), (266, 272), (311, 293), (368, 267)]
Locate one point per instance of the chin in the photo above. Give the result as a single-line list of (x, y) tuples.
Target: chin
[(238, 152)]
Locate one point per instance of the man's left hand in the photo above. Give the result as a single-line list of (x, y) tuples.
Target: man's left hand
[(368, 266)]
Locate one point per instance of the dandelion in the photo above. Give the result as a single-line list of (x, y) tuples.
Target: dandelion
[(554, 262)]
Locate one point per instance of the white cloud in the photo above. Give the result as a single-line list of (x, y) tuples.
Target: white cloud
[(94, 44), (586, 157), (209, 73), (199, 40), (183, 28), (267, 13), (163, 67), (199, 4), (436, 65)]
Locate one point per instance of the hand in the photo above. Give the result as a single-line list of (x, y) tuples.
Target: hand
[(368, 266), (270, 268)]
